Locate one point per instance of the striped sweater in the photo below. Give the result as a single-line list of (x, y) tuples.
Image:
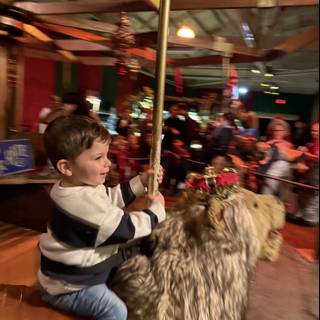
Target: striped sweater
[(87, 228)]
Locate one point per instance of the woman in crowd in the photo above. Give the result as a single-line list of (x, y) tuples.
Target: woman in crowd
[(279, 155), (308, 213)]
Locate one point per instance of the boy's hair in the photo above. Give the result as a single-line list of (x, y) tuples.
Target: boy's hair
[(67, 137)]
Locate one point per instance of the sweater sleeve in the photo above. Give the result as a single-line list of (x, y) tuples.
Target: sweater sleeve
[(120, 227), (126, 192)]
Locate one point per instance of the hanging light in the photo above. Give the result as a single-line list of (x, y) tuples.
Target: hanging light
[(269, 72), (274, 88), (186, 32), (256, 71), (264, 85), (273, 93), (243, 90)]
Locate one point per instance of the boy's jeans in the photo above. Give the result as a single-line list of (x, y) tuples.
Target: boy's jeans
[(96, 302)]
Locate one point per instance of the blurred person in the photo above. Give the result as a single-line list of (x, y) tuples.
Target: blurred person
[(124, 123), (81, 106), (146, 124), (191, 127), (176, 164), (55, 104), (218, 142), (134, 155), (174, 128), (300, 136), (308, 214), (119, 155), (146, 144), (280, 153)]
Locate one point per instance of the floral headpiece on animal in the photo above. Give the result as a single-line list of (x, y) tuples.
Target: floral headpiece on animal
[(220, 184)]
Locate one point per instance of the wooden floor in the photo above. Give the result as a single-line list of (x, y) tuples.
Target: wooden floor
[(19, 263)]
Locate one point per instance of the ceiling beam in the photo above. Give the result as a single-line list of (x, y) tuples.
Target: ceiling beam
[(70, 31), (84, 6), (198, 61), (235, 4), (87, 6), (300, 40), (79, 23), (81, 45), (209, 44)]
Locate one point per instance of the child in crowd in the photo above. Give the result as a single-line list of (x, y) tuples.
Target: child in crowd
[(85, 237), (134, 154), (177, 166), (119, 157)]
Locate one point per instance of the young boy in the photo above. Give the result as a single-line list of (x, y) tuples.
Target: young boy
[(82, 243)]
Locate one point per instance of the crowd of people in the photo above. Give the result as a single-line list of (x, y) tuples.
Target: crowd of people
[(232, 138)]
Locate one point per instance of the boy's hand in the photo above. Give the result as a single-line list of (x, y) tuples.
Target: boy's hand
[(145, 176), (158, 198)]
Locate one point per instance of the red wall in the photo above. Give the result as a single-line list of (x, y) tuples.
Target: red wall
[(90, 78), (39, 85)]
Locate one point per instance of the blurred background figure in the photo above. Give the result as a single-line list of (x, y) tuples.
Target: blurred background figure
[(218, 141), (174, 128), (279, 155), (146, 124), (134, 155), (55, 104), (300, 135), (191, 127), (308, 213), (176, 165), (124, 124)]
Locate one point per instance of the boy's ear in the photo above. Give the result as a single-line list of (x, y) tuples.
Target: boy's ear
[(64, 167)]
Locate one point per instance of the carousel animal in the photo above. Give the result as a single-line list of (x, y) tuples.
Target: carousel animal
[(205, 254)]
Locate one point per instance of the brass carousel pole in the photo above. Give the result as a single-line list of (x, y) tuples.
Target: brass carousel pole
[(163, 31)]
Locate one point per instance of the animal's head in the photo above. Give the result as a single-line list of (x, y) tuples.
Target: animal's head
[(211, 210), (215, 206), (268, 214)]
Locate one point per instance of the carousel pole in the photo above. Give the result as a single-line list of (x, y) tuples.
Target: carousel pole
[(163, 31)]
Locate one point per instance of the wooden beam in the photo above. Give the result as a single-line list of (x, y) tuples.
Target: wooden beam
[(98, 61), (87, 6), (84, 6), (299, 41), (73, 32), (217, 59), (235, 4), (209, 44), (80, 23), (80, 45)]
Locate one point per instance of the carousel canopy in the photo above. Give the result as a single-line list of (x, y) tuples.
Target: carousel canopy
[(278, 38)]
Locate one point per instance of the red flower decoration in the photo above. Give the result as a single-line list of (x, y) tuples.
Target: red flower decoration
[(198, 184), (226, 179)]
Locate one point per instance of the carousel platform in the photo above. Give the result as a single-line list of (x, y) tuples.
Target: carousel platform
[(284, 290)]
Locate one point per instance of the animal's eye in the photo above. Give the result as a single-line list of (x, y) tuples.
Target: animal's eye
[(255, 205)]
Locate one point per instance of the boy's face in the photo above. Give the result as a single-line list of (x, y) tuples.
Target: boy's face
[(91, 166)]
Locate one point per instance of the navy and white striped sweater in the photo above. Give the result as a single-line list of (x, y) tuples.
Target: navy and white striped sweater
[(86, 229)]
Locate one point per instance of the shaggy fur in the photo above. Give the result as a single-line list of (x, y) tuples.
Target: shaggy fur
[(200, 270)]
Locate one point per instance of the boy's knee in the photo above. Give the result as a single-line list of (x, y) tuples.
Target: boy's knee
[(120, 310)]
